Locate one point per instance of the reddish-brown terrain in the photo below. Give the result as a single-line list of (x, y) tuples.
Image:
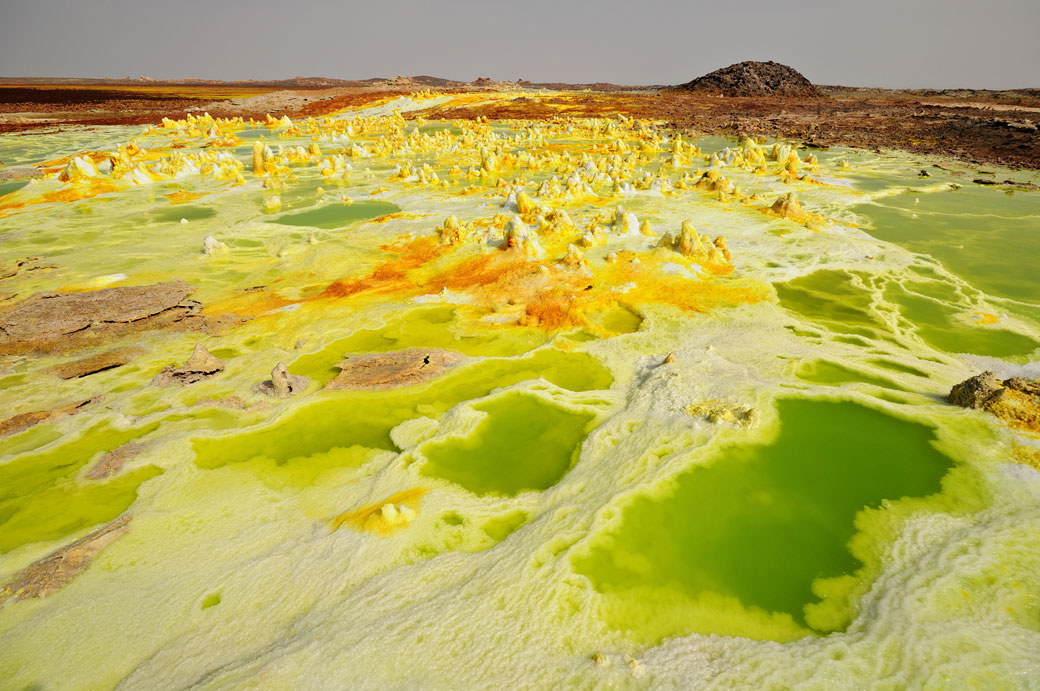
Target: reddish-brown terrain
[(988, 127)]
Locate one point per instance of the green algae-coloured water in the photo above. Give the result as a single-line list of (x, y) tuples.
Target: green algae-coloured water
[(935, 322), (978, 232), (337, 214), (822, 372), (833, 298), (523, 443), (174, 214), (618, 320), (12, 186), (345, 419), (761, 524), (41, 497), (854, 304), (433, 327)]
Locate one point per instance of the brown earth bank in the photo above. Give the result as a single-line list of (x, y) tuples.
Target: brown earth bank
[(978, 126), (975, 126)]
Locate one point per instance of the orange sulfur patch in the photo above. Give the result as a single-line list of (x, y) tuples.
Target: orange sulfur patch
[(390, 276), (183, 196), (399, 216), (650, 285), (68, 193), (523, 290), (249, 305)]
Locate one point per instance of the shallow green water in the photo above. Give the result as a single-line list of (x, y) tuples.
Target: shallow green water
[(433, 327), (856, 304), (763, 523), (337, 214), (331, 426), (41, 497), (898, 367), (8, 187), (823, 372), (981, 234), (833, 298), (617, 320), (189, 212), (936, 324), (523, 443)]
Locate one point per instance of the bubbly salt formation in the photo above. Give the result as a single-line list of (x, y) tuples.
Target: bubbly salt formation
[(509, 404)]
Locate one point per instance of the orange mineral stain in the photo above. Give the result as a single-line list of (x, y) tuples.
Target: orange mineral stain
[(183, 196), (383, 517)]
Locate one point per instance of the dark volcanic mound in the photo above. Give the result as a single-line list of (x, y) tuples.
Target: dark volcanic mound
[(753, 79)]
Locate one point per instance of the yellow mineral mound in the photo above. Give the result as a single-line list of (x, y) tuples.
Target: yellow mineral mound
[(713, 256), (520, 237), (716, 182), (574, 258), (528, 209), (258, 158), (787, 206), (453, 232)]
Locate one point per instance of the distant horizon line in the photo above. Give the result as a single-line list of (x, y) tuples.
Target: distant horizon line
[(173, 80)]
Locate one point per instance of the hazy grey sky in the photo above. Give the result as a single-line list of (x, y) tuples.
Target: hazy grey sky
[(893, 43)]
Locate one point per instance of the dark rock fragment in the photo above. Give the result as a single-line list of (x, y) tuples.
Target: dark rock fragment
[(1016, 401)]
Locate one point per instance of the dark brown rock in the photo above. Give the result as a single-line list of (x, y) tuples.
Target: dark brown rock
[(232, 402), (1016, 401), (754, 79), (23, 265), (974, 392), (113, 461), (23, 421), (1030, 387), (19, 173)]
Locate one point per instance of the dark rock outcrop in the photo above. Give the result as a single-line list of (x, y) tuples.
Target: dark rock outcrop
[(754, 79), (113, 461), (19, 173), (1016, 401), (96, 363)]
